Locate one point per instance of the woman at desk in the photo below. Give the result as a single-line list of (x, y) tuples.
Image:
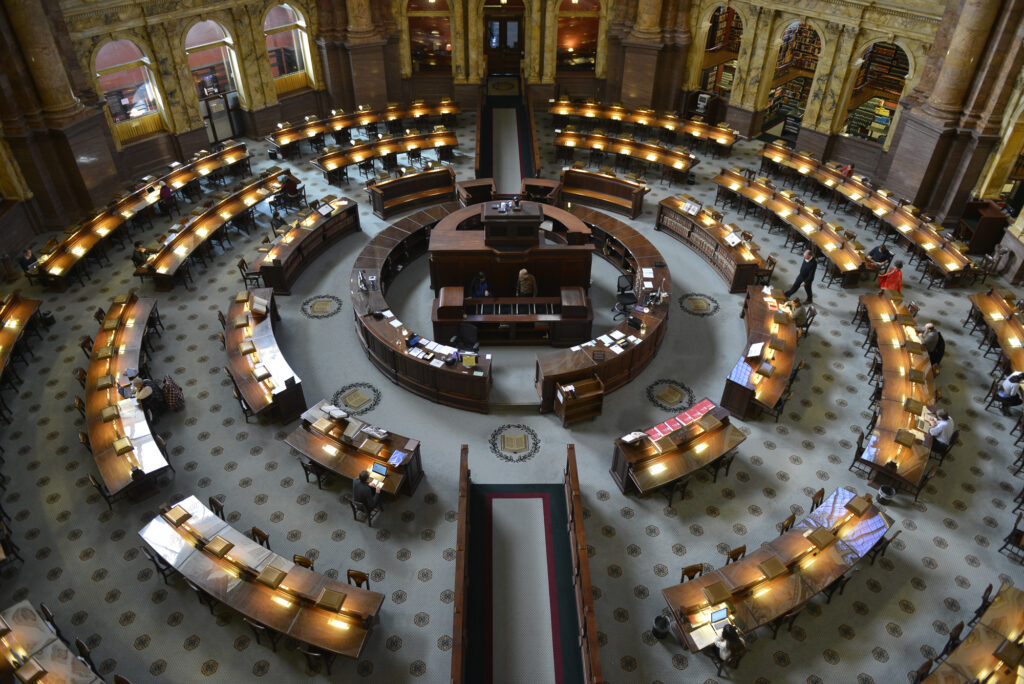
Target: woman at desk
[(731, 646)]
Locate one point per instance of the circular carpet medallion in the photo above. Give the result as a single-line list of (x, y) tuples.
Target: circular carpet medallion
[(357, 398), (321, 306), (514, 443), (697, 304), (670, 395)]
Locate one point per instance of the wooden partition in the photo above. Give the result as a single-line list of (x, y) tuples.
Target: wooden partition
[(412, 190), (585, 617), (603, 191), (460, 628)]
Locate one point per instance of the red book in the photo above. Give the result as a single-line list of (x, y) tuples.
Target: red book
[(654, 433)]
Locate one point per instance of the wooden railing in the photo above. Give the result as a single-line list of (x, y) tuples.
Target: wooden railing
[(133, 129), (581, 572), (460, 634)]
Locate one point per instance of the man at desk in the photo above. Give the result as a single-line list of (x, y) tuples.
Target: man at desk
[(365, 493), (290, 186), (479, 286), (139, 255), (798, 312), (941, 430), (27, 261), (526, 286), (879, 258)]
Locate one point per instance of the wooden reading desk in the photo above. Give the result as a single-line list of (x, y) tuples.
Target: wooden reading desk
[(261, 585), (398, 194), (192, 234), (902, 218), (602, 190), (807, 222), (307, 238), (17, 315), (259, 370), (782, 574), (339, 158), (1002, 318), (722, 245), (339, 123), (342, 444), (675, 160), (385, 339), (30, 651), (119, 433), (55, 267), (907, 375), (762, 374), (674, 450)]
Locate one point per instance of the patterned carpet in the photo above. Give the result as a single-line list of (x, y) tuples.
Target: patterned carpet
[(85, 563)]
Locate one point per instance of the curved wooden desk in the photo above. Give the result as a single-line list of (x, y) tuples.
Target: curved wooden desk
[(384, 338), (259, 370), (338, 158), (901, 217), (758, 380), (118, 347), (676, 158), (604, 357), (163, 266), (907, 375), (306, 239), (16, 315), (603, 191), (286, 135), (411, 190), (261, 585), (1002, 318), (720, 134), (55, 267), (701, 229)]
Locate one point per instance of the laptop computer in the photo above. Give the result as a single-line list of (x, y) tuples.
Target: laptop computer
[(708, 633), (923, 425), (378, 472)]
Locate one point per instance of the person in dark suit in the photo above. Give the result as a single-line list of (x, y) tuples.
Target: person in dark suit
[(805, 277), (27, 261), (364, 493), (139, 255), (479, 287)]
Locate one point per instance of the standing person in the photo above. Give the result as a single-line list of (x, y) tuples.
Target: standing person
[(526, 286), (166, 198), (805, 277), (893, 278), (479, 287), (935, 344)]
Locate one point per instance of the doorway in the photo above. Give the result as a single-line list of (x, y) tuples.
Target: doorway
[(217, 117), (503, 36)]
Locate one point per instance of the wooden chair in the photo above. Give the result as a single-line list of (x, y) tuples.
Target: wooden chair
[(817, 498), (315, 470), (257, 630), (358, 578), (302, 562), (165, 569), (100, 315), (80, 406), (736, 554), (260, 537), (217, 507), (691, 571), (787, 618), (921, 672), (881, 547), (780, 405), (315, 658), (787, 524), (247, 411), (80, 376), (677, 487), (204, 598), (86, 345), (940, 452), (924, 481), (1013, 544), (763, 276), (952, 642), (83, 439), (836, 587), (249, 278), (360, 513), (724, 463), (986, 601), (102, 491), (84, 654), (49, 619)]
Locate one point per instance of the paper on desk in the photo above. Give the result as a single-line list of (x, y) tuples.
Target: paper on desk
[(617, 334), (431, 346), (605, 339), (647, 272), (395, 323), (616, 348), (576, 348), (648, 284), (387, 313)]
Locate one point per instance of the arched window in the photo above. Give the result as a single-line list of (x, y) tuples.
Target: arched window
[(578, 24), (211, 59), (721, 52), (287, 47), (123, 74), (794, 72), (876, 92), (430, 35)]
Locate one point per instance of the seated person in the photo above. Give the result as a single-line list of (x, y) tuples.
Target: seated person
[(526, 286), (365, 493), (798, 312), (152, 400), (846, 170), (479, 286), (277, 223), (139, 255), (1009, 392), (290, 186), (166, 198), (730, 646), (27, 261), (879, 258), (942, 430)]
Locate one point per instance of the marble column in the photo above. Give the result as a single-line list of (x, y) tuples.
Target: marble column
[(39, 48), (366, 56), (640, 55), (755, 67)]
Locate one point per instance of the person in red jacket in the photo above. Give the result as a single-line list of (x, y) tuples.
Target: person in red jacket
[(893, 278)]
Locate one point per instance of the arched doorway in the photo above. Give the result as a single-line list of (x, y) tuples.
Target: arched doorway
[(503, 36), (791, 82), (876, 92), (212, 61), (720, 52)]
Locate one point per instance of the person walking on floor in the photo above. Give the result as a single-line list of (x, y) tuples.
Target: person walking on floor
[(805, 277)]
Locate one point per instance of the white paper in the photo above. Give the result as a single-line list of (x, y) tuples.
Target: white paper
[(437, 363), (387, 313), (755, 349), (576, 348), (395, 323), (605, 339), (616, 348), (647, 272), (617, 334), (648, 284)]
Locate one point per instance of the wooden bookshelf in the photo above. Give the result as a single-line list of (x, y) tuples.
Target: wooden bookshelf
[(579, 400)]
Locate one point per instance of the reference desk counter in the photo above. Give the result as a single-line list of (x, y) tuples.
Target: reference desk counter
[(55, 267), (722, 245), (347, 446), (1002, 318), (261, 374), (306, 239), (896, 450), (17, 314), (261, 585), (674, 450), (385, 339), (619, 355), (32, 652), (163, 265), (340, 123), (762, 375), (807, 222), (902, 218), (783, 574), (120, 438)]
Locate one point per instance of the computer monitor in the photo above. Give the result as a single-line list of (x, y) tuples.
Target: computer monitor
[(380, 469), (720, 615)]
